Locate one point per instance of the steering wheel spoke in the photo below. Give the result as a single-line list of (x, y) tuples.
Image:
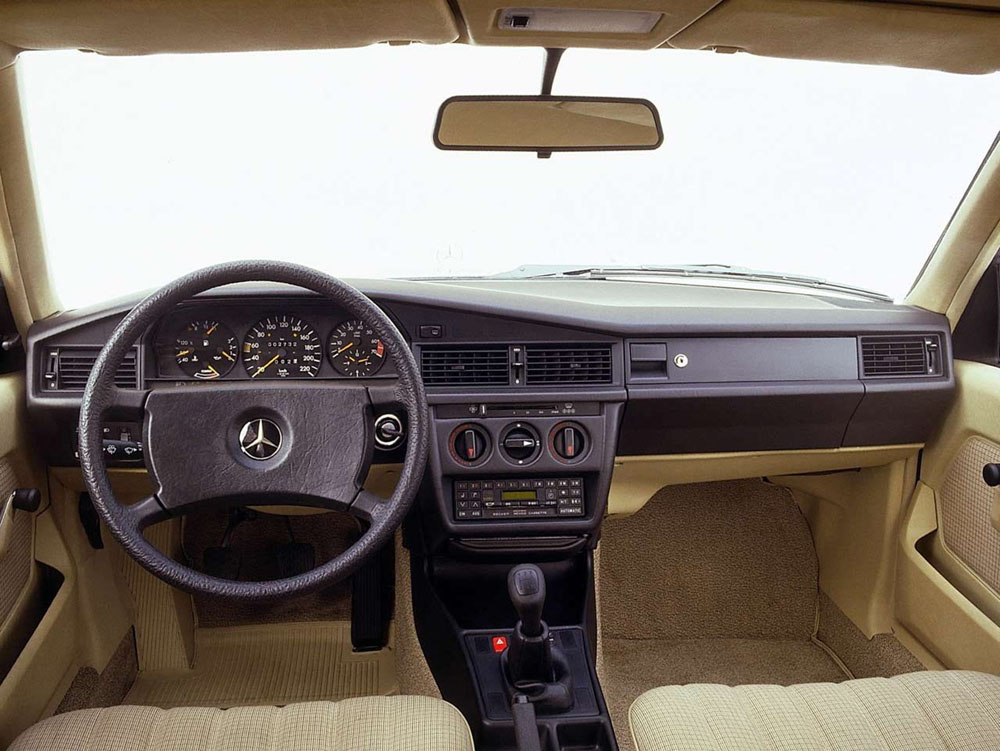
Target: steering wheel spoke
[(145, 513), (127, 404), (368, 506)]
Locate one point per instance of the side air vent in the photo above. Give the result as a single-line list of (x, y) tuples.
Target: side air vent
[(68, 368), (900, 356), (567, 364), (465, 366)]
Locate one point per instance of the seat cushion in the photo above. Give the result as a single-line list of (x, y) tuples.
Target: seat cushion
[(390, 723), (947, 710)]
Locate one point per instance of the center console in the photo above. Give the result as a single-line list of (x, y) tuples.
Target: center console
[(502, 568)]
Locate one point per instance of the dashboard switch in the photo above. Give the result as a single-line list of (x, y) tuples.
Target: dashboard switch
[(431, 331)]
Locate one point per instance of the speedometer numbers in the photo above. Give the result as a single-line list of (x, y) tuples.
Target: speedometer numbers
[(282, 347), (205, 350), (355, 350)]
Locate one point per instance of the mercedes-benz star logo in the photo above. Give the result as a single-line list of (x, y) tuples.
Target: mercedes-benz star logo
[(260, 439)]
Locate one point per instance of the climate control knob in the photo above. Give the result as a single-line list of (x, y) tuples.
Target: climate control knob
[(469, 444), (569, 441), (520, 443)]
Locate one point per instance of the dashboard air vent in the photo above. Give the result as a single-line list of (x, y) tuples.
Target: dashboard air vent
[(68, 368), (465, 366), (900, 356), (567, 364)]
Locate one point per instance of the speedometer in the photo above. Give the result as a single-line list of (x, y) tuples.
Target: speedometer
[(355, 350), (282, 347)]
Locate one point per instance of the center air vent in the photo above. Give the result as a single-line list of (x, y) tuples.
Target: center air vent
[(567, 364), (68, 368), (465, 366), (900, 356)]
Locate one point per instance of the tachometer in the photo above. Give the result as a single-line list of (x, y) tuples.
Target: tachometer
[(355, 350), (282, 347), (205, 350)]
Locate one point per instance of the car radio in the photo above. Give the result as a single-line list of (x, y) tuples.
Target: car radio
[(510, 499)]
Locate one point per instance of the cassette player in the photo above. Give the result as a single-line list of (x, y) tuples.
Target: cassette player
[(518, 499)]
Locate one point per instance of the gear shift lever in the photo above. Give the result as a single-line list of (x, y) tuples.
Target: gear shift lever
[(534, 666), (526, 587)]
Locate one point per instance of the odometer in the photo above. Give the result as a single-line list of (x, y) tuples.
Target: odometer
[(205, 350), (282, 347), (355, 350)]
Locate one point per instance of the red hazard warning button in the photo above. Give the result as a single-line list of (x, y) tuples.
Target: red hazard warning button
[(499, 643)]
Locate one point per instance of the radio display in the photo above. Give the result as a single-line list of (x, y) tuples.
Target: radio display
[(518, 495)]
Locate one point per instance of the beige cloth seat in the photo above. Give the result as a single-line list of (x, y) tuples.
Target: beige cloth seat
[(396, 723), (947, 710)]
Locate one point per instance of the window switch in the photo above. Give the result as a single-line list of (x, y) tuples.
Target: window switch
[(431, 331)]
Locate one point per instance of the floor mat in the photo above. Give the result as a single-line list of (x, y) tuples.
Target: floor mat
[(269, 665), (708, 583)]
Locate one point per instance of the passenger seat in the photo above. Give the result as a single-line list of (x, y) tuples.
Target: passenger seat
[(947, 710)]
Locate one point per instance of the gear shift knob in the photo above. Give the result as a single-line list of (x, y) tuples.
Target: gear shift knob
[(526, 587)]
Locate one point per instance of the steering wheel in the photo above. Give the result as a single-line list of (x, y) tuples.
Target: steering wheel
[(237, 442)]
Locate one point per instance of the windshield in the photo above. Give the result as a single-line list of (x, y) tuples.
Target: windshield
[(149, 167)]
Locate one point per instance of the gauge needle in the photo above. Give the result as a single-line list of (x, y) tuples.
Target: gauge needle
[(266, 365), (213, 370), (185, 352), (209, 332), (226, 355), (343, 349)]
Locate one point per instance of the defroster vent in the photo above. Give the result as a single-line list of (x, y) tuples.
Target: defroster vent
[(570, 364), (465, 366), (907, 356), (68, 368)]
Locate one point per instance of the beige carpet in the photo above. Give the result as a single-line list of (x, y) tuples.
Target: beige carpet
[(106, 688), (270, 664), (709, 583)]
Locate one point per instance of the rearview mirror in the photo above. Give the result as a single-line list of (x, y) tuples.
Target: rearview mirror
[(546, 124)]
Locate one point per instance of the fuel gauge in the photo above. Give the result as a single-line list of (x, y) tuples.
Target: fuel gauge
[(206, 350)]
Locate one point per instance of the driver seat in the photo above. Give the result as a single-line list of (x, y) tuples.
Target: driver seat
[(386, 723)]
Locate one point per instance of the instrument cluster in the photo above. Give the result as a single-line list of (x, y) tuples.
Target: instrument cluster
[(206, 344)]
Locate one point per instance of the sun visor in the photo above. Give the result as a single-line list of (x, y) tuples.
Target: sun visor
[(125, 27), (913, 36)]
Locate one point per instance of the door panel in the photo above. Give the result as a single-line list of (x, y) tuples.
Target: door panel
[(967, 510), (948, 577), (19, 581)]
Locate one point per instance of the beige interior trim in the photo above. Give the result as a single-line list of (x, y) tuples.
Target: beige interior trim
[(637, 478), (973, 412), (12, 426), (945, 621), (907, 35), (121, 27), (855, 520), (966, 248)]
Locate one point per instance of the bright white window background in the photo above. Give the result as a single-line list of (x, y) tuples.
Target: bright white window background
[(149, 167)]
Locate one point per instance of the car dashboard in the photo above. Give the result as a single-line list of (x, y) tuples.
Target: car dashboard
[(538, 389)]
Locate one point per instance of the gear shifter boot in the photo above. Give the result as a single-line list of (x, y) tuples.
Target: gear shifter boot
[(532, 663)]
